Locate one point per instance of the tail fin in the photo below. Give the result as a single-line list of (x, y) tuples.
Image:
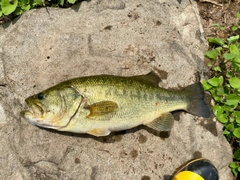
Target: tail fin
[(197, 106)]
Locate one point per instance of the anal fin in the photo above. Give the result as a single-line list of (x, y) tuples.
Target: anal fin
[(99, 132), (162, 123)]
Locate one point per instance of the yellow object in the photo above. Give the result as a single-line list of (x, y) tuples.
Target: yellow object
[(187, 175), (197, 169)]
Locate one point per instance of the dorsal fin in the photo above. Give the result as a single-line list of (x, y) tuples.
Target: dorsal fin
[(151, 78)]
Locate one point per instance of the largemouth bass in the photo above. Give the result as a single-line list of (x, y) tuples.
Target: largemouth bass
[(98, 105)]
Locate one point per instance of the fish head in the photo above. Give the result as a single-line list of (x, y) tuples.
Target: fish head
[(52, 108)]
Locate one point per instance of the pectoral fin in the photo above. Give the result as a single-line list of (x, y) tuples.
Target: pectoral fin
[(99, 132), (102, 108), (163, 123)]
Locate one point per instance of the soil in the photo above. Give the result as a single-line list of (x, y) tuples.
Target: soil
[(222, 12)]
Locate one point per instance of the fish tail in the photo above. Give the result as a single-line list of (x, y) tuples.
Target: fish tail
[(197, 106)]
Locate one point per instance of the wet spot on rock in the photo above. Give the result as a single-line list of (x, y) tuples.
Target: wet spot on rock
[(145, 178), (117, 138), (139, 5), (77, 160), (94, 172), (108, 28), (122, 154), (210, 125), (163, 74), (176, 115), (197, 154), (134, 153), (164, 134), (142, 139), (133, 15), (158, 23), (108, 139), (150, 151)]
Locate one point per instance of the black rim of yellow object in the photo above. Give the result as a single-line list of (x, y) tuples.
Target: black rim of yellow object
[(197, 169)]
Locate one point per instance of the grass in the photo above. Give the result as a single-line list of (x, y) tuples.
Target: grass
[(224, 86), (13, 8)]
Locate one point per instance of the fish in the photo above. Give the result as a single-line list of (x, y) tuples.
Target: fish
[(101, 104)]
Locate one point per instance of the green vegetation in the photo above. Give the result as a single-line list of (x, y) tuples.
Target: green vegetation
[(17, 7), (224, 86)]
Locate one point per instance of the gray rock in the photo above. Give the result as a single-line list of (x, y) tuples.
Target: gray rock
[(116, 37)]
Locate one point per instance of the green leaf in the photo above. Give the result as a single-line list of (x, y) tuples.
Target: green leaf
[(229, 56), (232, 100), (230, 127), (220, 91), (235, 82), (216, 81), (231, 119), (236, 154), (25, 4), (236, 114), (216, 97), (7, 7), (234, 49), (228, 108), (219, 48), (218, 26), (234, 28), (209, 65), (238, 15), (236, 132), (222, 118), (229, 74), (226, 132), (71, 1), (234, 166), (206, 86), (218, 69), (212, 54), (236, 67), (237, 59), (18, 11), (233, 39), (37, 3), (217, 110), (61, 2), (217, 41)]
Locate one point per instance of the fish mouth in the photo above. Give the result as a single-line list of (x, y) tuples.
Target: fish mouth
[(34, 108), (35, 114), (34, 111)]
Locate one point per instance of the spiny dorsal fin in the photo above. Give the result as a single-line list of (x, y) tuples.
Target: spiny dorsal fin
[(163, 123), (102, 108), (151, 78)]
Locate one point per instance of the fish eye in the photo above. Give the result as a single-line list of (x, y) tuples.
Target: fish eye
[(41, 96)]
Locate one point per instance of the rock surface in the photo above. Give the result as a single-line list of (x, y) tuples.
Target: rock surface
[(119, 37)]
